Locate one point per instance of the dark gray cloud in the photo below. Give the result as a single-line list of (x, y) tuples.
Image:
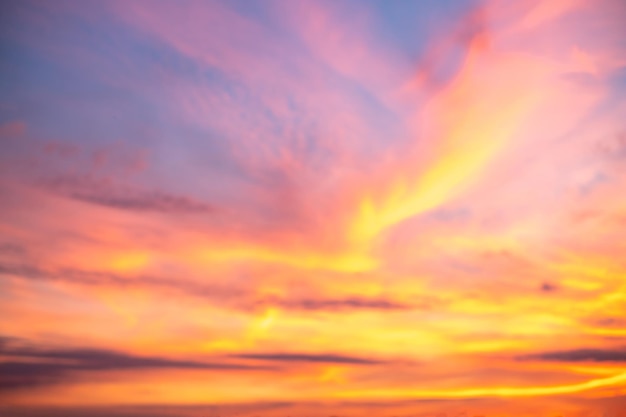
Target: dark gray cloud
[(581, 355), (548, 287), (82, 277), (34, 272), (337, 304), (9, 248), (105, 193), (233, 296), (27, 365), (302, 357)]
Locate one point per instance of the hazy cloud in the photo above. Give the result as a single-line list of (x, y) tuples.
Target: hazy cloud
[(30, 365), (582, 355), (105, 193), (301, 357), (548, 287), (11, 130), (233, 296), (349, 303)]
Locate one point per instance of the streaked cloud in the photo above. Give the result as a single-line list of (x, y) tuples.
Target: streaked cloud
[(583, 355), (301, 357), (105, 193), (27, 366)]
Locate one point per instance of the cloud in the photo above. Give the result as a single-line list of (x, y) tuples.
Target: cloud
[(104, 193), (613, 147), (582, 355), (311, 358), (104, 278), (239, 298), (548, 287), (10, 248), (69, 275), (339, 304), (30, 365), (608, 322), (11, 130)]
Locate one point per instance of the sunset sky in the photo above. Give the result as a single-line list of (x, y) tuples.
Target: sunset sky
[(312, 207)]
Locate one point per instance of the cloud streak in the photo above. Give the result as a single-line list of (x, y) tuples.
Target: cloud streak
[(29, 365), (582, 355), (307, 358), (104, 193)]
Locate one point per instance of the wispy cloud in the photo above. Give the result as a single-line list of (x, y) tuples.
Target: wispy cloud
[(12, 130), (310, 358), (105, 193), (582, 355), (28, 365)]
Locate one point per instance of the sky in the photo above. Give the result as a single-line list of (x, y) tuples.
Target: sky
[(298, 208)]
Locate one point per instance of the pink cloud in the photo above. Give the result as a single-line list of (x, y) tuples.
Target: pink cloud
[(12, 130)]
